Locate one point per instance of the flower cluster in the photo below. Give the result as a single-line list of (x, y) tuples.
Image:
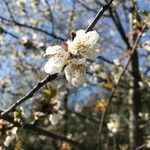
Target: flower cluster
[(72, 56)]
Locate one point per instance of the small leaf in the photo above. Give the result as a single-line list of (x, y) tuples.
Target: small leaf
[(47, 93)]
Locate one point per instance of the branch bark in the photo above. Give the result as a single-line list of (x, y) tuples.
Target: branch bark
[(41, 131), (31, 93), (134, 48), (134, 99)]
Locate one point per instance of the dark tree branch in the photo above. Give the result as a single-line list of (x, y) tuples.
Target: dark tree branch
[(9, 10), (9, 33), (119, 79), (106, 60), (51, 15), (41, 131), (85, 117), (31, 27), (119, 26), (99, 15), (31, 93)]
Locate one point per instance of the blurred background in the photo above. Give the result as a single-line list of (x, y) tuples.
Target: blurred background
[(27, 27)]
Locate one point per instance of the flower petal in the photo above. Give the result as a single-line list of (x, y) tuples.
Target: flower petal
[(53, 50), (80, 34), (90, 54), (54, 66), (75, 74), (72, 47), (55, 118), (91, 37), (78, 61)]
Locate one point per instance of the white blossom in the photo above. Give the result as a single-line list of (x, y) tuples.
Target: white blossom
[(85, 44), (56, 117), (75, 74), (24, 39), (57, 57), (74, 53), (117, 62), (12, 135), (113, 124), (146, 45)]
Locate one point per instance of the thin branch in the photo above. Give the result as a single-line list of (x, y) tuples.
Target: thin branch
[(31, 27), (9, 33), (51, 15), (106, 60), (85, 117), (141, 147), (31, 93), (9, 10), (49, 77), (117, 22), (98, 16), (42, 131)]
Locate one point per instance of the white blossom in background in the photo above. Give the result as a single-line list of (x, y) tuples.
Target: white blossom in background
[(117, 70), (56, 117), (117, 62), (20, 4), (148, 144), (146, 45), (58, 104), (57, 57), (85, 44), (12, 135), (72, 55), (113, 124), (78, 107), (24, 39)]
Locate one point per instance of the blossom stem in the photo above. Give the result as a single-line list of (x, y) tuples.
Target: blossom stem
[(98, 16)]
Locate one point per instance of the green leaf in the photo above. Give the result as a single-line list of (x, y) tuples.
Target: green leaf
[(47, 93)]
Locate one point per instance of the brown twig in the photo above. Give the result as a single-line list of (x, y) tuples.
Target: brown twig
[(41, 131), (31, 27), (48, 78), (98, 16)]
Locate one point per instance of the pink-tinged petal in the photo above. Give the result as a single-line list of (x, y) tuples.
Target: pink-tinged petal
[(75, 74)]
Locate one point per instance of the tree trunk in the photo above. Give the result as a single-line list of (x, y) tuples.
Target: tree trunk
[(134, 99)]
